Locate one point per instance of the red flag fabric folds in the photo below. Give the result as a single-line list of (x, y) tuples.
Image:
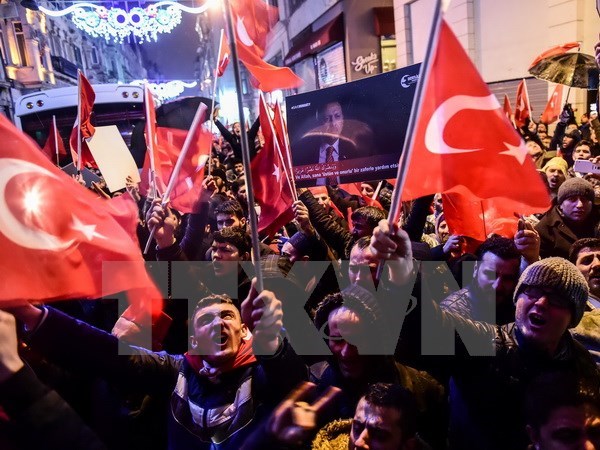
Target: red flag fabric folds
[(86, 101), (252, 20), (522, 107), (185, 194), (224, 55), (462, 139), (557, 50), (56, 237), (50, 147), (553, 107), (507, 108), (270, 181)]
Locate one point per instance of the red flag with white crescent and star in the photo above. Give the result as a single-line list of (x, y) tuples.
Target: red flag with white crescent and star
[(58, 239), (553, 107), (522, 107), (272, 189), (462, 139), (252, 21)]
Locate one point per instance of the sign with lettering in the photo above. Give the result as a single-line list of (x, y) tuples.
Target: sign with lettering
[(367, 64)]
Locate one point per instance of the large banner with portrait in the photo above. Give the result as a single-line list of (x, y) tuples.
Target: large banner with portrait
[(352, 132)]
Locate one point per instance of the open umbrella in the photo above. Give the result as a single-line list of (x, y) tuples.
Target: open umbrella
[(571, 69)]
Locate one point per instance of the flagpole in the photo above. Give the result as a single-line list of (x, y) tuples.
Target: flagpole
[(280, 154), (407, 147), (376, 193), (288, 154), (245, 150), (150, 142), (528, 101), (78, 121), (55, 139), (180, 159), (214, 96)]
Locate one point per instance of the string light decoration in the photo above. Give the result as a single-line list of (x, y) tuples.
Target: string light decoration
[(166, 91), (117, 24)]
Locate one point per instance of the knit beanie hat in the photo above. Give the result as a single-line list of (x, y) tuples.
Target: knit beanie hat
[(575, 186), (557, 162), (301, 243), (563, 278)]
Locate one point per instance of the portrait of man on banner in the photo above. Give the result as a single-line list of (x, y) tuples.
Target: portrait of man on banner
[(348, 133)]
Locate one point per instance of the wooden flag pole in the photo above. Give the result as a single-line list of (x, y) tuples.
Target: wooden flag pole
[(150, 142), (55, 130), (279, 153), (180, 159), (288, 154), (214, 95), (78, 122), (245, 150)]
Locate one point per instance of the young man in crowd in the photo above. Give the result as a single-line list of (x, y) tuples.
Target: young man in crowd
[(217, 392), (550, 298)]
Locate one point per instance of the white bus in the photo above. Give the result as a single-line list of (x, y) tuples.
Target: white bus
[(116, 104)]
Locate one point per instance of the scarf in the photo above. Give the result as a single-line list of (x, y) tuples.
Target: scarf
[(244, 357)]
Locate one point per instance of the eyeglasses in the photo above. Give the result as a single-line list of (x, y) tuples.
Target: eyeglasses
[(554, 299)]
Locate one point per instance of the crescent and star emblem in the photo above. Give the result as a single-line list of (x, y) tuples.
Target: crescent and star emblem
[(15, 230), (243, 33), (434, 133)]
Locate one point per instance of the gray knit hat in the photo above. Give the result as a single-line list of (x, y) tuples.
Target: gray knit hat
[(575, 186), (563, 278)]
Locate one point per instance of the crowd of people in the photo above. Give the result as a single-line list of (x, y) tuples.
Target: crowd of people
[(353, 342)]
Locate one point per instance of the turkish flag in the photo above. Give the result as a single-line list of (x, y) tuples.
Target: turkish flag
[(152, 149), (478, 218), (57, 239), (186, 192), (87, 96), (281, 132), (462, 138), (224, 55), (553, 107), (557, 50), (355, 189), (270, 180), (522, 107), (54, 145), (252, 21), (507, 108)]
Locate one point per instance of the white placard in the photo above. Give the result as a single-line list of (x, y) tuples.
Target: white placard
[(113, 157)]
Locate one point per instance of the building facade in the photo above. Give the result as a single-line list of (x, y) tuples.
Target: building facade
[(330, 42), (40, 52), (503, 38)]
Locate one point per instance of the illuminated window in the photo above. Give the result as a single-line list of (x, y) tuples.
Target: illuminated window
[(21, 45), (2, 48)]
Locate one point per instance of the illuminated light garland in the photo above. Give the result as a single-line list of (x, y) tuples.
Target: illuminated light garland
[(116, 23), (166, 91)]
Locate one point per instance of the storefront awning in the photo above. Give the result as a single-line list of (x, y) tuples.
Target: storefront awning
[(316, 41), (384, 21)]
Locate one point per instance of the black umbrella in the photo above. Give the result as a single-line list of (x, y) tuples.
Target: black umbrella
[(176, 114), (180, 113), (571, 69)]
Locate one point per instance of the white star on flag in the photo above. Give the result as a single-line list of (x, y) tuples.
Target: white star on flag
[(276, 171), (89, 231), (519, 152)]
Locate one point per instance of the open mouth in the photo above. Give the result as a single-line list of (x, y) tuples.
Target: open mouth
[(537, 320), (220, 339)]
